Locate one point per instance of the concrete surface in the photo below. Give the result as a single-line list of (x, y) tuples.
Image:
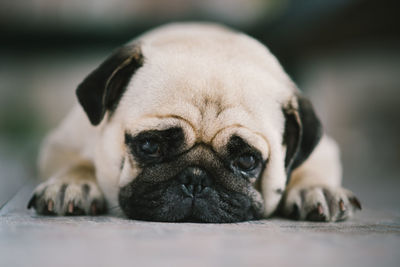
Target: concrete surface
[(372, 238), (355, 92)]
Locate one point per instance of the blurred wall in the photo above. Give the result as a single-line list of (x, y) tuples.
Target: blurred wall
[(344, 54)]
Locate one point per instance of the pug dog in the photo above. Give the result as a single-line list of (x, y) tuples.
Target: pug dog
[(192, 122)]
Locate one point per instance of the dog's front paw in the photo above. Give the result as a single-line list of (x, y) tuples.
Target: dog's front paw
[(320, 204), (68, 197)]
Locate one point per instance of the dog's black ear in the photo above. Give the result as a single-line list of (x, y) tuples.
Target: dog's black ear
[(303, 130), (102, 89)]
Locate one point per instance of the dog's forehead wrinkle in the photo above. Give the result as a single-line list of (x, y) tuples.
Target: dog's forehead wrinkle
[(207, 117), (218, 112), (213, 124)]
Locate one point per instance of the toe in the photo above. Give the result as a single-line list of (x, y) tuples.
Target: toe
[(74, 209), (317, 214), (315, 206), (97, 207), (50, 205)]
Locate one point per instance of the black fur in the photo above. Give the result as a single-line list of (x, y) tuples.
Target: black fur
[(171, 142), (159, 193), (102, 89), (303, 130), (237, 147)]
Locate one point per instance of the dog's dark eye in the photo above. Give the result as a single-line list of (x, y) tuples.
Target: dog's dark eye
[(150, 148), (246, 162)]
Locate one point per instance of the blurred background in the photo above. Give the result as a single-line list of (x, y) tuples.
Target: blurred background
[(344, 54)]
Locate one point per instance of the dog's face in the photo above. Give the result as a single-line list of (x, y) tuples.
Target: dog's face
[(182, 181), (197, 124)]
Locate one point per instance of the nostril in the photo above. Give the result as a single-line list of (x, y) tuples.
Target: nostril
[(206, 181), (186, 190), (190, 188), (193, 180), (184, 178), (198, 189)]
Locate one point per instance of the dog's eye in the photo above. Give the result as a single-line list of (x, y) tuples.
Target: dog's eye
[(150, 148), (246, 162)]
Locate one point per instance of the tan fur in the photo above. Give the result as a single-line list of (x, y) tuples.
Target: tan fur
[(221, 82)]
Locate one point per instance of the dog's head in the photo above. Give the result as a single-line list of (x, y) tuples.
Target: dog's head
[(197, 123)]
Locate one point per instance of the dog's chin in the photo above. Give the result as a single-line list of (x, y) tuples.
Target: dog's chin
[(169, 202)]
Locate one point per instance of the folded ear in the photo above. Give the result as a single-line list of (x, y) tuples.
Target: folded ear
[(303, 130), (102, 89)]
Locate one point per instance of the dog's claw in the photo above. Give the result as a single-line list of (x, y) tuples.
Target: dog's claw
[(93, 208), (32, 201), (356, 203), (74, 210), (50, 205), (342, 207), (70, 207), (317, 214), (320, 209)]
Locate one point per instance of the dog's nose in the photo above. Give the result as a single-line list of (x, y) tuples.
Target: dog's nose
[(194, 181)]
